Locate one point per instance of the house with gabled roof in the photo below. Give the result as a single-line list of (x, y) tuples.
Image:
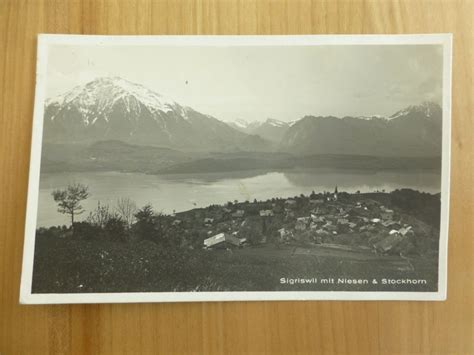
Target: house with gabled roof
[(222, 240)]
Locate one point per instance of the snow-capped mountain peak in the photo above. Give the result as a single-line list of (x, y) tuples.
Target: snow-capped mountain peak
[(113, 108), (426, 109), (241, 123), (98, 97), (253, 125), (373, 117), (276, 123)]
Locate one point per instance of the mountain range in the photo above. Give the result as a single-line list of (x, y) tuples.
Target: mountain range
[(415, 131), (116, 109), (271, 129)]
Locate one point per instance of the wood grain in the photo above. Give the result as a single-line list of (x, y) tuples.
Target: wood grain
[(230, 328)]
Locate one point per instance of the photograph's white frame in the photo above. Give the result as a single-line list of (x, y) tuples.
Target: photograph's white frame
[(45, 40)]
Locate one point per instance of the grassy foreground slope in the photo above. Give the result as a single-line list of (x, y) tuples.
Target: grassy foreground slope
[(78, 266)]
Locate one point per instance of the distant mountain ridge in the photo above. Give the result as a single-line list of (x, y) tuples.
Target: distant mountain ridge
[(125, 157), (116, 109), (413, 132)]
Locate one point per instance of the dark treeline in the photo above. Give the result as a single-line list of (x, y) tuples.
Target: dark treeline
[(126, 223)]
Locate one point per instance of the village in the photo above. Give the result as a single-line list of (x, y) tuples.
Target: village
[(251, 245), (338, 220)]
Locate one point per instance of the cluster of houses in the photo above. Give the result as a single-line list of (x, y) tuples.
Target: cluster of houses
[(332, 218), (320, 219)]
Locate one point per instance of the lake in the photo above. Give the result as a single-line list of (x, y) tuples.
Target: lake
[(168, 193)]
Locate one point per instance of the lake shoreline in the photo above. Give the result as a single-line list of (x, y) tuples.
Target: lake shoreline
[(182, 192)]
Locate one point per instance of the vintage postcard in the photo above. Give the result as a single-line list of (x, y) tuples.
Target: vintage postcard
[(221, 168)]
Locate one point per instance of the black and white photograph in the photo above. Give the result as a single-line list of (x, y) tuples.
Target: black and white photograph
[(201, 168)]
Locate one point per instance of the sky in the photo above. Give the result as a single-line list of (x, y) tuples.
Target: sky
[(255, 83)]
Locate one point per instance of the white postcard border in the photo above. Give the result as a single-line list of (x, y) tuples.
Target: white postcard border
[(45, 40)]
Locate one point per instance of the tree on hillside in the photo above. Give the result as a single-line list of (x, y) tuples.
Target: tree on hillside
[(101, 215), (126, 209), (144, 228), (69, 199)]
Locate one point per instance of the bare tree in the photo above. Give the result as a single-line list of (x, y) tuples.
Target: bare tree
[(101, 215), (69, 199), (126, 209)]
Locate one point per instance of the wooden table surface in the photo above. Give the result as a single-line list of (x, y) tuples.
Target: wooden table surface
[(231, 328)]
